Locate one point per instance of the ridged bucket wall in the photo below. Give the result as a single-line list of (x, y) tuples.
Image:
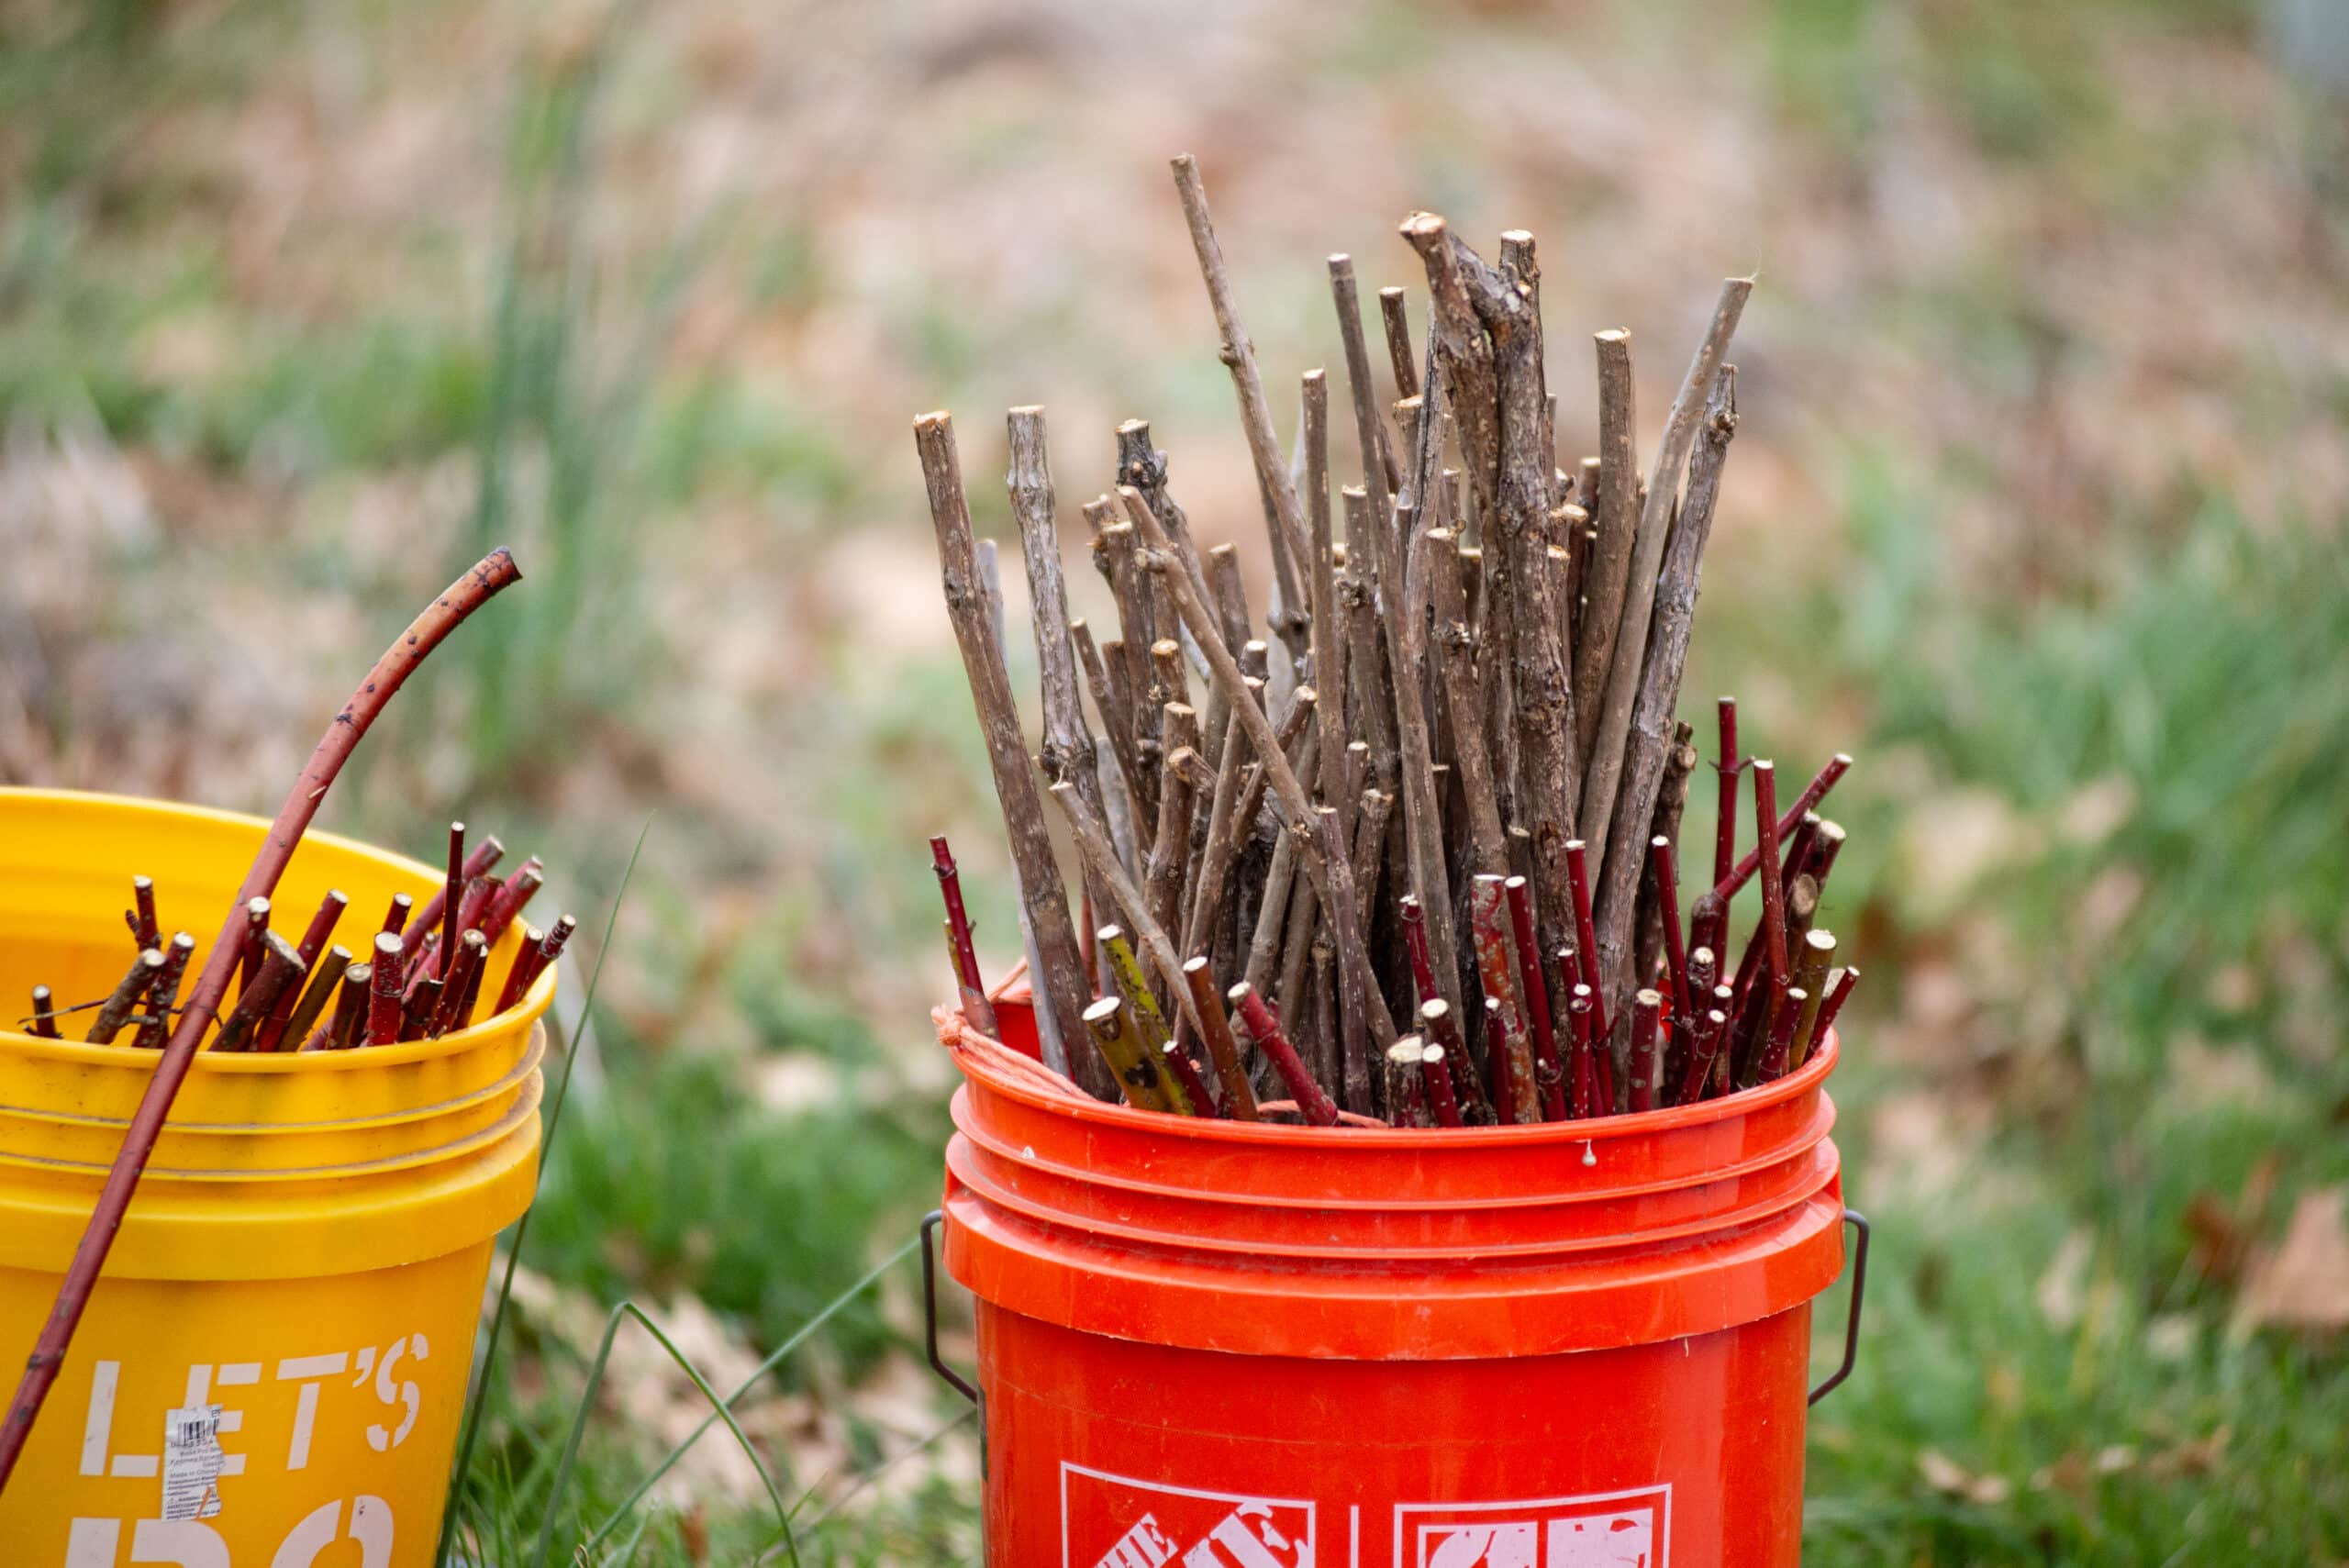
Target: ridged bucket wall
[(307, 1250), (1220, 1345)]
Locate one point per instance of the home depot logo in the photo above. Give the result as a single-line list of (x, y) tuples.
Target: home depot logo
[(1622, 1530), (1115, 1522)]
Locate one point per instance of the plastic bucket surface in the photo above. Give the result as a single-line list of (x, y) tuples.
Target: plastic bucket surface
[(1220, 1345), (272, 1367)]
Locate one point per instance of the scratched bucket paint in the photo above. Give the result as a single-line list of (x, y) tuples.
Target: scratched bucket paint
[(1205, 1344), (272, 1367)]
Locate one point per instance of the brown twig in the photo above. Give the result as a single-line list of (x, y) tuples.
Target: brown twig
[(144, 930), (1170, 853), (1727, 766), (249, 952), (1223, 1047), (1625, 684), (277, 1028), (163, 999), (1395, 320), (1824, 1023), (281, 966), (1378, 473), (44, 1018), (1607, 571), (1455, 644), (312, 1003), (136, 981), (1092, 837), (1810, 978), (1283, 519), (1403, 1095)]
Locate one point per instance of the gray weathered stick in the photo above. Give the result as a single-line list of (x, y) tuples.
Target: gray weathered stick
[(1061, 979), (1605, 773), (1092, 837), (1615, 521), (1395, 316), (1659, 698), (1377, 457), (1329, 641), (1232, 818), (1455, 646), (1283, 519), (1170, 851)]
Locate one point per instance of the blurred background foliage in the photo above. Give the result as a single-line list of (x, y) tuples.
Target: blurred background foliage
[(2036, 506)]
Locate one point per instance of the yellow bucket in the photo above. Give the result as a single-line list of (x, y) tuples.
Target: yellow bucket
[(272, 1368)]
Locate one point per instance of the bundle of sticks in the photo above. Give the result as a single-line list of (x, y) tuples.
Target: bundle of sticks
[(1410, 857), (422, 978)]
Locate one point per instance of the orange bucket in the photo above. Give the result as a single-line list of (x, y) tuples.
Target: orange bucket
[(1211, 1344)]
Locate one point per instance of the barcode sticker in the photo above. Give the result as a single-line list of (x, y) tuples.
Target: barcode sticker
[(191, 1463)]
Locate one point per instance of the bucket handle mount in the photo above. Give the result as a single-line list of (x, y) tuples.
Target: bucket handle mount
[(961, 1385), (1859, 1222)]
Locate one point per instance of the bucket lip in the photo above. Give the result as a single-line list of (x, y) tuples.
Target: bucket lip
[(1272, 1135), (534, 1002)]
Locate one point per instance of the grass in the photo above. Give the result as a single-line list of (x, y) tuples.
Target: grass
[(2097, 1051)]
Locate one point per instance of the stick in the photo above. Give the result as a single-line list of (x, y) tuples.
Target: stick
[(1232, 818), (281, 966), (1727, 765), (425, 921), (324, 976), (1585, 938), (1443, 1026), (1403, 1070), (1774, 891), (1060, 979), (1607, 570), (249, 954), (1110, 1022), (44, 1020), (1170, 853), (1671, 801), (135, 980), (143, 928), (1093, 841), (1377, 458), (1327, 635), (1813, 793), (1624, 685), (1645, 1005), (1284, 519), (1455, 646), (164, 1000), (508, 901), (1667, 898), (1311, 1099), (1435, 1077), (1395, 320), (278, 1027), (1325, 856), (1811, 977), (395, 918), (1585, 1078), (1142, 466), (1547, 1067), (1223, 1048), (1422, 814), (1495, 946), (1824, 1025), (968, 979)]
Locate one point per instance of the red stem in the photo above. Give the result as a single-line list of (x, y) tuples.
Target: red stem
[(1415, 942), (1774, 886), (1812, 793), (1311, 1097), (143, 926), (446, 614), (1587, 937), (1187, 1073), (966, 952), (508, 901), (1667, 905), (314, 942), (1537, 999), (1578, 1024), (1645, 1005), (452, 888), (1437, 1077), (416, 931)]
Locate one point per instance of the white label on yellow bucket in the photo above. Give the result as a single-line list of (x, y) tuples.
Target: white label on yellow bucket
[(191, 1460)]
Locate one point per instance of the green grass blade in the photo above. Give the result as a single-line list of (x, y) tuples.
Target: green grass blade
[(521, 1227), (587, 1407)]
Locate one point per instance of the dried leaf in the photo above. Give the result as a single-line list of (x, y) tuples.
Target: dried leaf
[(2304, 1283)]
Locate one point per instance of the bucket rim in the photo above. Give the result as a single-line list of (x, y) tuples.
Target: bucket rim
[(534, 1003), (1273, 1135)]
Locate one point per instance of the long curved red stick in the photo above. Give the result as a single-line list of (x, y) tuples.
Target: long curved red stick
[(462, 598)]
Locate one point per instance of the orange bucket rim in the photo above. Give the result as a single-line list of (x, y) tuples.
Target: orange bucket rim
[(1274, 1135)]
